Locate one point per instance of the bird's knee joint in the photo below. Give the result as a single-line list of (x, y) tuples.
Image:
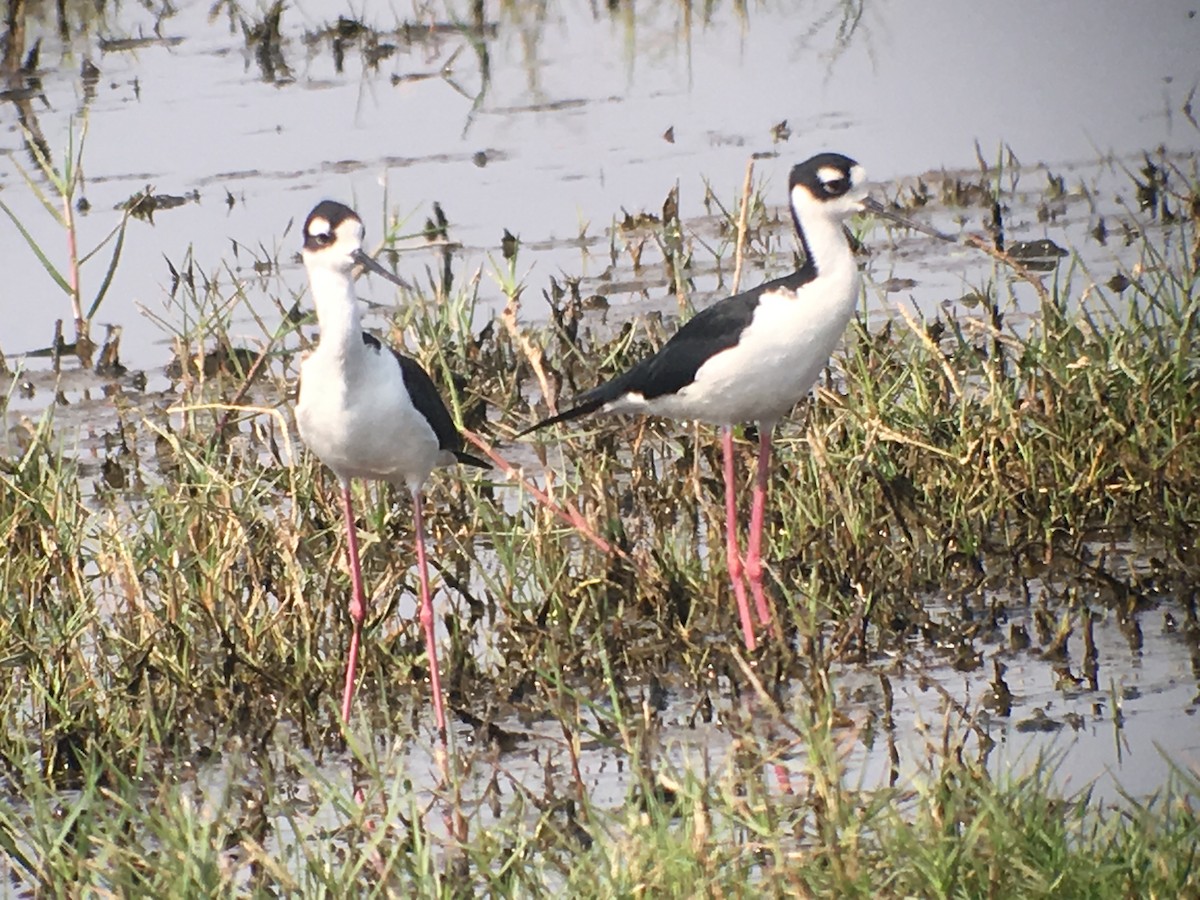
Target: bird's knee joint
[(754, 569)]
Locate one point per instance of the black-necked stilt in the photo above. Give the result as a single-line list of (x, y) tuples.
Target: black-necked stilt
[(367, 411), (752, 356)]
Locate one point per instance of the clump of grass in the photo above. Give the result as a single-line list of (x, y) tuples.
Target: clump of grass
[(275, 819), (61, 195), (952, 831)]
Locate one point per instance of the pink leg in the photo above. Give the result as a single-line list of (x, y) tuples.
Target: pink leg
[(358, 603), (754, 567), (435, 678), (733, 558)]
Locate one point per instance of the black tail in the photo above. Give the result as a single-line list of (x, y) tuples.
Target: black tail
[(590, 404), (468, 460), (599, 396)]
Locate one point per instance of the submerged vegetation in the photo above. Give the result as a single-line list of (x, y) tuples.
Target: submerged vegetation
[(992, 483)]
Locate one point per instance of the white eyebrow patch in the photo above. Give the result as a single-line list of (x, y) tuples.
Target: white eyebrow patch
[(318, 226), (829, 174)]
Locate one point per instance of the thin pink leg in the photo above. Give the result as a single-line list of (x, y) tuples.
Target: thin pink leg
[(435, 677), (358, 602), (754, 566), (733, 558)]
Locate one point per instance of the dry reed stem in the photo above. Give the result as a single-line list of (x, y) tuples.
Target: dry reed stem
[(743, 218), (999, 255), (567, 513), (532, 353)]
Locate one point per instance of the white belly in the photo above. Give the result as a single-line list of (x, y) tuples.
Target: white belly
[(358, 419), (773, 365)]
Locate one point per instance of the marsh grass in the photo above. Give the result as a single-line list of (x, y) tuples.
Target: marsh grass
[(171, 647), (60, 189)]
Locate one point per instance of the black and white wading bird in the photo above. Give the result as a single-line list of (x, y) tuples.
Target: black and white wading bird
[(367, 411), (751, 357)]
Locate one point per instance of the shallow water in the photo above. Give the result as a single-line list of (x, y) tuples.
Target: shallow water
[(565, 133), (1119, 740), (1121, 737)]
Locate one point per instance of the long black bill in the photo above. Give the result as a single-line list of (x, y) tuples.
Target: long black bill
[(873, 206), (372, 265)]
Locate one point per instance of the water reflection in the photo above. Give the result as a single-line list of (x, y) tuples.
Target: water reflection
[(567, 104)]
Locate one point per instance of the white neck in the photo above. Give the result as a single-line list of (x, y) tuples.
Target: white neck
[(824, 239), (337, 309)]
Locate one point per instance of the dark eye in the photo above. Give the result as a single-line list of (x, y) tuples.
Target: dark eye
[(322, 239), (836, 187)]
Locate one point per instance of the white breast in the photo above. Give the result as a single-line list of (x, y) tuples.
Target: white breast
[(356, 416), (776, 361)]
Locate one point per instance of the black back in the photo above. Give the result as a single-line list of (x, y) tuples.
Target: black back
[(428, 402), (720, 326), (674, 367), (702, 337)]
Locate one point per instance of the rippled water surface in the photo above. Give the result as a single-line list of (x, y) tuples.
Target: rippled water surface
[(553, 131), (553, 124)]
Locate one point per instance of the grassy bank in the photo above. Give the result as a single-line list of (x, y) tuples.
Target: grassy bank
[(173, 614)]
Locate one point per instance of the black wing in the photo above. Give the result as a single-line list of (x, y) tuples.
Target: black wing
[(428, 402), (674, 367)]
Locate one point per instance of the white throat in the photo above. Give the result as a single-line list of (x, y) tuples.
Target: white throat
[(827, 246), (337, 306)]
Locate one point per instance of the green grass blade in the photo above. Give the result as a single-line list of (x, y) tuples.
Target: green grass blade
[(37, 251), (112, 266), (37, 191)]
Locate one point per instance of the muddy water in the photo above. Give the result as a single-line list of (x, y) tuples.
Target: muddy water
[(1114, 721), (565, 129), (562, 130), (1119, 738)]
